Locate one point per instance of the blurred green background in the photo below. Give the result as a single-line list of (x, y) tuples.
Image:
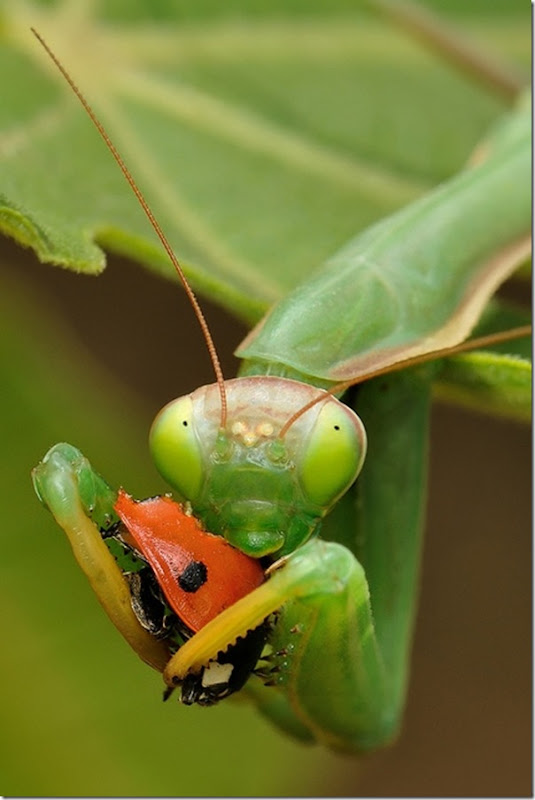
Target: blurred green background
[(91, 362)]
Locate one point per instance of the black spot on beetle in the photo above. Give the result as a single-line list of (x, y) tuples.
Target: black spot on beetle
[(185, 423), (193, 576), (337, 427)]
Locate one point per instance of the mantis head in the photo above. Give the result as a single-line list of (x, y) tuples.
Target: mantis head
[(261, 483)]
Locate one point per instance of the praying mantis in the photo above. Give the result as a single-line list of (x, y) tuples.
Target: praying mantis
[(369, 611)]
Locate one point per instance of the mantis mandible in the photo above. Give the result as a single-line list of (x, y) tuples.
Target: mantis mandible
[(262, 459)]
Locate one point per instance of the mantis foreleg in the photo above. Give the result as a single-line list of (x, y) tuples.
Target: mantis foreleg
[(82, 503)]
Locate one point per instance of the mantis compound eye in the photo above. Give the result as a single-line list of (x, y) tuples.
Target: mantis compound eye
[(333, 454), (175, 448)]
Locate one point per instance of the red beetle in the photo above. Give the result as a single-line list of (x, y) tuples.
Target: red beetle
[(200, 574)]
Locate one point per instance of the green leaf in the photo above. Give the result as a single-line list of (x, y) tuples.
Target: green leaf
[(265, 135), (497, 380), (490, 382)]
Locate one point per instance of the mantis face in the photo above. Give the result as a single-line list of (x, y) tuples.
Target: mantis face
[(261, 485)]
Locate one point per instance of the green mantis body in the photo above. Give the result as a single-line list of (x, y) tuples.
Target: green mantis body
[(344, 602)]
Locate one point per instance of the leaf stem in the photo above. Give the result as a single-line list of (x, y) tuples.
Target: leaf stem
[(445, 39)]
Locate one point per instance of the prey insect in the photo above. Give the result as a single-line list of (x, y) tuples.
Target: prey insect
[(261, 460)]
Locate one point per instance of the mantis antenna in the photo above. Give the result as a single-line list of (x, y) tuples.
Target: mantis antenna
[(471, 344), (153, 221)]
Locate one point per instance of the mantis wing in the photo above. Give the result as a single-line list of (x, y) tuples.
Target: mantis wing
[(415, 282)]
